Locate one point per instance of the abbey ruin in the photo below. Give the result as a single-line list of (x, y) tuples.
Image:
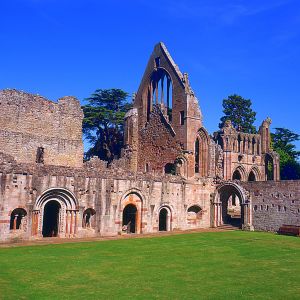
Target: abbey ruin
[(173, 175)]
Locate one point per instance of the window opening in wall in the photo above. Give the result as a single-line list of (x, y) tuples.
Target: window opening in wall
[(251, 176), (162, 93), (197, 155), (157, 62), (182, 117), (170, 169), (148, 105), (89, 218), (236, 175), (147, 168), (16, 218), (239, 143), (269, 167), (40, 155), (253, 145)]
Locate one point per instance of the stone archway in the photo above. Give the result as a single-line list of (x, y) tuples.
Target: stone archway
[(231, 207), (131, 204), (164, 219), (55, 213)]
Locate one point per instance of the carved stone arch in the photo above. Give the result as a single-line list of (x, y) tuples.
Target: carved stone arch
[(257, 175), (222, 206), (63, 195), (136, 191), (241, 171), (131, 211), (55, 213), (202, 141), (236, 187)]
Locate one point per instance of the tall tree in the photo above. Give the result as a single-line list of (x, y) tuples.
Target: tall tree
[(283, 143), (239, 111), (103, 123)]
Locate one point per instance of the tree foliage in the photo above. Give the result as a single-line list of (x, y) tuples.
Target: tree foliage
[(103, 123), (283, 143), (239, 111)]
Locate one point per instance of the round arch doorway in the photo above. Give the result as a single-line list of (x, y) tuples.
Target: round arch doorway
[(231, 207), (51, 219), (164, 219), (130, 218)]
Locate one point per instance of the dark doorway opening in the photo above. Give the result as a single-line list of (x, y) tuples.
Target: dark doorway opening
[(129, 217), (163, 220), (51, 219)]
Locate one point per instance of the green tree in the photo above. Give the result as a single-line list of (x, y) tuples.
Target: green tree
[(283, 143), (239, 111), (103, 123)]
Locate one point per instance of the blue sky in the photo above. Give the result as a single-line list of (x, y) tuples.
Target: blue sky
[(63, 47)]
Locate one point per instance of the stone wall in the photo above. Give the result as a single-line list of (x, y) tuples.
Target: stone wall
[(274, 203), (105, 190), (30, 121)]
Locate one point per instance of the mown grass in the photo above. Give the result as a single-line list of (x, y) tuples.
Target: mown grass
[(215, 265)]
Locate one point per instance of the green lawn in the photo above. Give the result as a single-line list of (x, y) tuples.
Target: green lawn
[(214, 265)]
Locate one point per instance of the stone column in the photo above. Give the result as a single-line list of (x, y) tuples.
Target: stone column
[(15, 222)]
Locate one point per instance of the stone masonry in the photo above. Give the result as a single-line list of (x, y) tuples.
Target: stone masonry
[(172, 174)]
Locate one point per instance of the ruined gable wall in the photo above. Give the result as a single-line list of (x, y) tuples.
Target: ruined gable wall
[(31, 121), (179, 95), (274, 203), (158, 145)]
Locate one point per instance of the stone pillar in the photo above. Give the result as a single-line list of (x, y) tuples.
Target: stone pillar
[(67, 223), (15, 222)]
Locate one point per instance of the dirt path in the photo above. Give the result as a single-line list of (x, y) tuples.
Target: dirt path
[(48, 241)]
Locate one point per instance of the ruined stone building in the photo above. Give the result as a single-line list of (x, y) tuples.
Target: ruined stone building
[(173, 174)]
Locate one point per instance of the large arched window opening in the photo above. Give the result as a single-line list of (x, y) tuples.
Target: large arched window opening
[(16, 218), (201, 153), (197, 155), (251, 176), (236, 175), (162, 92), (269, 167)]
